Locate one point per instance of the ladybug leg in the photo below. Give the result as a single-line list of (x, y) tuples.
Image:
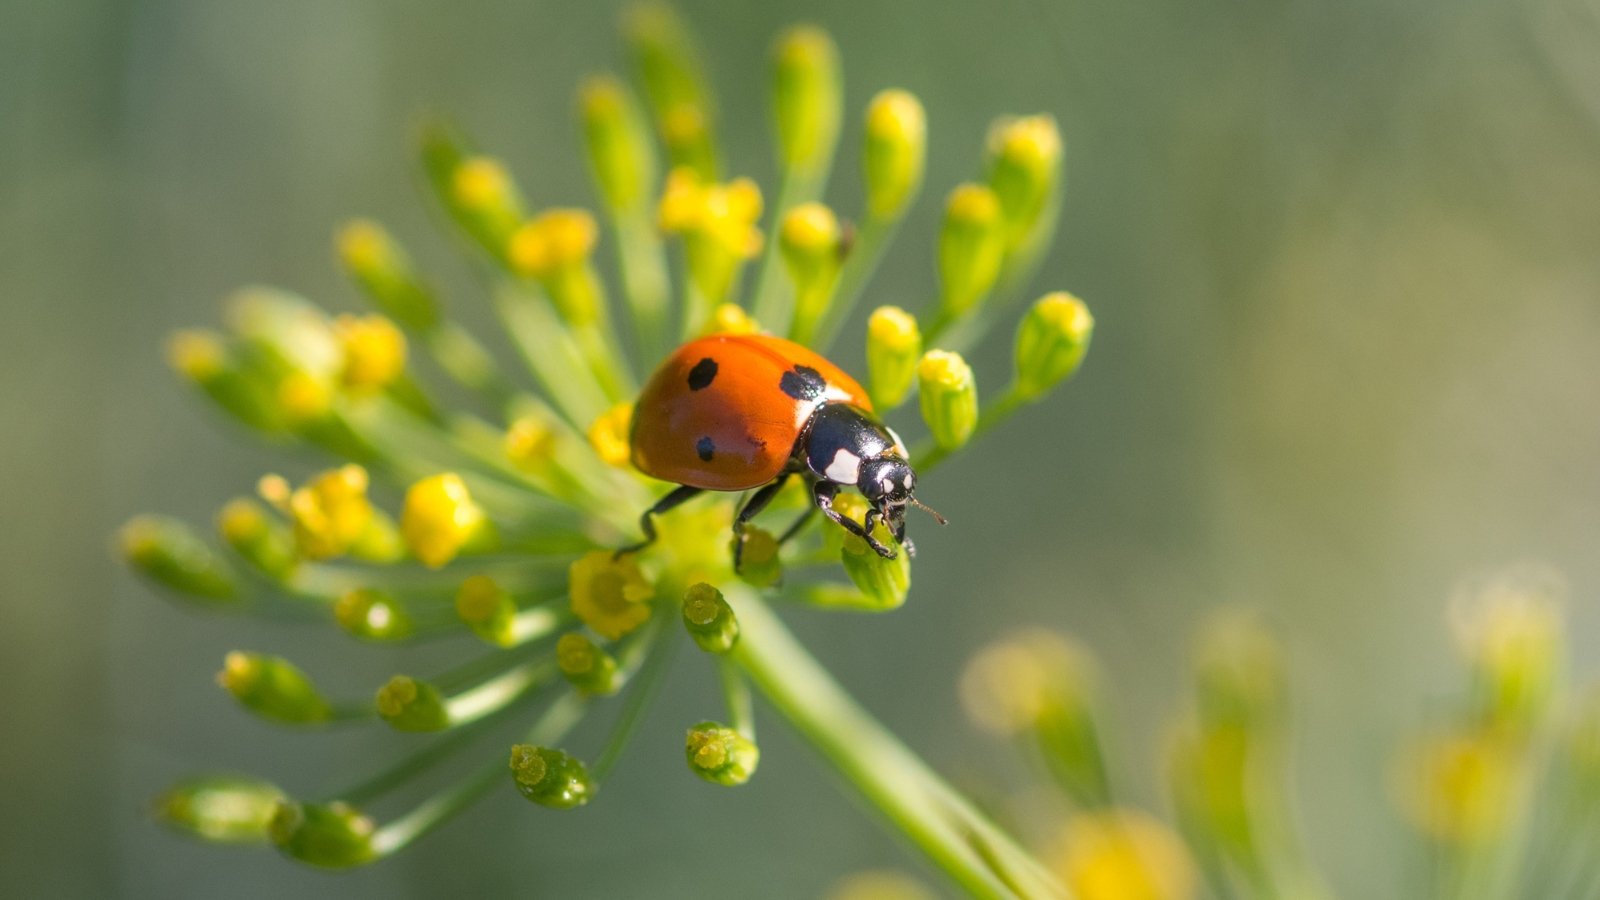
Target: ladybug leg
[(677, 497), (823, 492), (799, 524), (752, 508)]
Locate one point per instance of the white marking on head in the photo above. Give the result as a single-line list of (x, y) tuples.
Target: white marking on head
[(845, 468)]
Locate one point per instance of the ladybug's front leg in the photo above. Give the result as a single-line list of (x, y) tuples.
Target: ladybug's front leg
[(752, 508), (682, 494), (823, 492)]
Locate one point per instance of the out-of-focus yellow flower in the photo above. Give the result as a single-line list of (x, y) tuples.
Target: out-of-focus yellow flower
[(197, 354), (303, 397), (730, 318), (895, 147), (1010, 683), (374, 351), (331, 512), (1459, 787), (440, 518), (1510, 631), (610, 595), (556, 239), (1124, 854), (609, 434), (531, 443), (725, 214), (480, 183)]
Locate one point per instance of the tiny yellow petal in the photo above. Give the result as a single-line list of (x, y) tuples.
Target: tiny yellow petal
[(609, 435)]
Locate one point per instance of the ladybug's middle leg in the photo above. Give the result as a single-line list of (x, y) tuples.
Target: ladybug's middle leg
[(752, 508), (680, 495), (823, 492)]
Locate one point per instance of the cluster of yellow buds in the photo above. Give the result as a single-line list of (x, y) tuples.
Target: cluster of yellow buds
[(500, 518)]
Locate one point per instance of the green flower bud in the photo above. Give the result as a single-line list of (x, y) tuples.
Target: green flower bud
[(169, 553), (328, 835), (709, 618), (972, 245), (721, 755), (759, 564), (204, 358), (949, 398), (1024, 171), (1051, 342), (261, 540), (589, 668), (813, 253), (892, 158), (883, 583), (288, 335), (223, 809), (806, 98), (550, 777), (383, 270), (373, 615), (894, 344), (411, 705), (273, 688), (488, 610), (620, 157), (668, 65), (486, 202)]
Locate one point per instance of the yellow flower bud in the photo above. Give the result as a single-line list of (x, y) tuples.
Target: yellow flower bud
[(486, 201), (383, 270), (556, 239), (972, 245), (303, 398), (759, 563), (609, 435), (197, 354), (894, 345), (1122, 854), (620, 157), (255, 536), (610, 595), (813, 253), (327, 835), (488, 610), (718, 226), (222, 809), (170, 554), (374, 351), (589, 668), (1051, 342), (892, 159), (1459, 787), (709, 618), (531, 443), (949, 398), (806, 98), (550, 777), (440, 519), (1510, 629), (331, 513), (411, 705), (730, 318), (884, 583), (669, 68), (1024, 170), (720, 754), (273, 688)]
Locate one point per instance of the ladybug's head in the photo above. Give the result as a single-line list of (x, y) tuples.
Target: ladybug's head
[(890, 486)]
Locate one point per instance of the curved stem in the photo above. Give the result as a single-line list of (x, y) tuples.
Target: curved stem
[(942, 824)]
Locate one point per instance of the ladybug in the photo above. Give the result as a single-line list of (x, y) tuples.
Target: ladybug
[(739, 412)]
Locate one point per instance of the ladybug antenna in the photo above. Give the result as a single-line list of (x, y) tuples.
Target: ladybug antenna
[(930, 511)]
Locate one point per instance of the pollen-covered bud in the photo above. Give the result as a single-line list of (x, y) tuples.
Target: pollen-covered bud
[(488, 610), (328, 835), (949, 397), (813, 252), (384, 272), (440, 519), (806, 98), (759, 563), (614, 133), (486, 201), (259, 539), (374, 352), (610, 595), (669, 68), (720, 754), (892, 159), (894, 345), (222, 809), (589, 668), (550, 777), (170, 554), (1024, 171), (1051, 342), (883, 583), (972, 245), (1116, 854), (709, 619), (272, 688), (555, 248), (608, 435), (411, 705), (373, 615)]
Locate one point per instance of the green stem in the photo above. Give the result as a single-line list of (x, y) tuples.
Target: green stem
[(768, 303), (928, 455), (874, 238), (736, 694), (645, 685), (643, 265), (942, 824)]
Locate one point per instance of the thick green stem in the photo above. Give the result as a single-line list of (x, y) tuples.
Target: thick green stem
[(943, 825)]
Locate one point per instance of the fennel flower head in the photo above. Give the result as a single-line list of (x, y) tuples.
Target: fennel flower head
[(462, 498)]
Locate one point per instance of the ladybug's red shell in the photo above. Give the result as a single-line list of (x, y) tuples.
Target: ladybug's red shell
[(724, 412)]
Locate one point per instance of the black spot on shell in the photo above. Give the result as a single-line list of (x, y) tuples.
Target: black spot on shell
[(706, 448), (803, 383), (701, 375)]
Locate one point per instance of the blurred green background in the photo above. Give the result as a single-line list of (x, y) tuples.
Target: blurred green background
[(1345, 261)]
